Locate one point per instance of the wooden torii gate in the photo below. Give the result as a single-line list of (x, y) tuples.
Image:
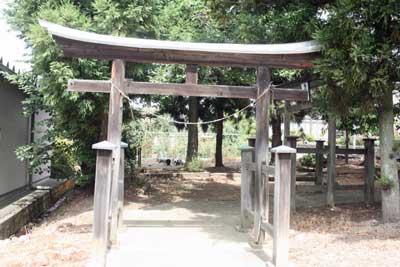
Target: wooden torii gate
[(109, 167)]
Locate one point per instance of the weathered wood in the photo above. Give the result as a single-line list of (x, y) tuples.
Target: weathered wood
[(102, 195), (290, 94), (89, 86), (319, 162), (121, 180), (191, 89), (268, 228), (265, 169), (261, 206), (114, 136), (330, 194), (369, 170), (184, 89), (291, 141), (82, 44), (286, 119), (350, 151), (282, 190), (193, 130), (246, 201)]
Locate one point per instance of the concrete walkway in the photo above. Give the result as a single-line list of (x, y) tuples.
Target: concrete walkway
[(187, 233)]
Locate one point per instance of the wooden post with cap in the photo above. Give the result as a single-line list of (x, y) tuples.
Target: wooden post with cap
[(282, 190), (102, 197)]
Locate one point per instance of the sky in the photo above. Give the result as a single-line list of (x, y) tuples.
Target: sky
[(12, 49)]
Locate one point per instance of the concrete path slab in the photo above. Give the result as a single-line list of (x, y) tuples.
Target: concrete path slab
[(186, 233)]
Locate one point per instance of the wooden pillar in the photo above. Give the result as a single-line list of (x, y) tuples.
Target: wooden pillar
[(121, 181), (193, 139), (319, 162), (283, 165), (114, 136), (286, 120), (102, 195), (261, 193), (291, 141), (246, 187), (330, 194), (369, 170)]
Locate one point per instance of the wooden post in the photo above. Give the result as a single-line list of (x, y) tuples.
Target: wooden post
[(291, 141), (283, 165), (114, 136), (193, 139), (246, 190), (121, 180), (369, 170), (102, 194), (261, 193), (319, 162), (330, 194), (286, 120)]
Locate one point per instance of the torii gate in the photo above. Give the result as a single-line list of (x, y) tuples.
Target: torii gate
[(109, 174)]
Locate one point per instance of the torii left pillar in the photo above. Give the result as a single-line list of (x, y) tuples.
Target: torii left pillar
[(108, 199)]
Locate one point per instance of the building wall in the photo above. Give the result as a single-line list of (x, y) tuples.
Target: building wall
[(14, 128)]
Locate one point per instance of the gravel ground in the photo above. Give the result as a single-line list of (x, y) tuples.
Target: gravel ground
[(350, 235)]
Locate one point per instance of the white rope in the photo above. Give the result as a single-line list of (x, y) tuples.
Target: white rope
[(251, 105)]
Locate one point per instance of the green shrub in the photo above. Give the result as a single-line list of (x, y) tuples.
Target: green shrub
[(385, 182), (196, 165), (308, 160), (64, 163)]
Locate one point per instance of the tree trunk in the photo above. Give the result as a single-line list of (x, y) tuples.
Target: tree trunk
[(218, 144), (193, 133), (347, 141), (390, 198)]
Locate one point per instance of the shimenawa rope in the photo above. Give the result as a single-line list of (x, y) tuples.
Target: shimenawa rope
[(251, 105)]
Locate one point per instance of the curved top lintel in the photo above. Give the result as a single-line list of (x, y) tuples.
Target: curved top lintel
[(79, 43)]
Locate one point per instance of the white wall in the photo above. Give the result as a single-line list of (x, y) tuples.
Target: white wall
[(14, 128)]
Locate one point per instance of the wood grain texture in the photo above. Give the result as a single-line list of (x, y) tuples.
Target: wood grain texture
[(114, 131), (121, 186), (261, 203), (282, 209), (245, 189), (82, 50), (184, 89), (291, 141), (101, 207)]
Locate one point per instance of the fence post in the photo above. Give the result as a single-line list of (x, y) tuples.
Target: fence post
[(282, 204), (246, 189), (319, 162), (291, 141), (102, 197), (369, 170)]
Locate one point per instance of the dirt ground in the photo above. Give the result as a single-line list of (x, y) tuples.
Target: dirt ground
[(349, 235)]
